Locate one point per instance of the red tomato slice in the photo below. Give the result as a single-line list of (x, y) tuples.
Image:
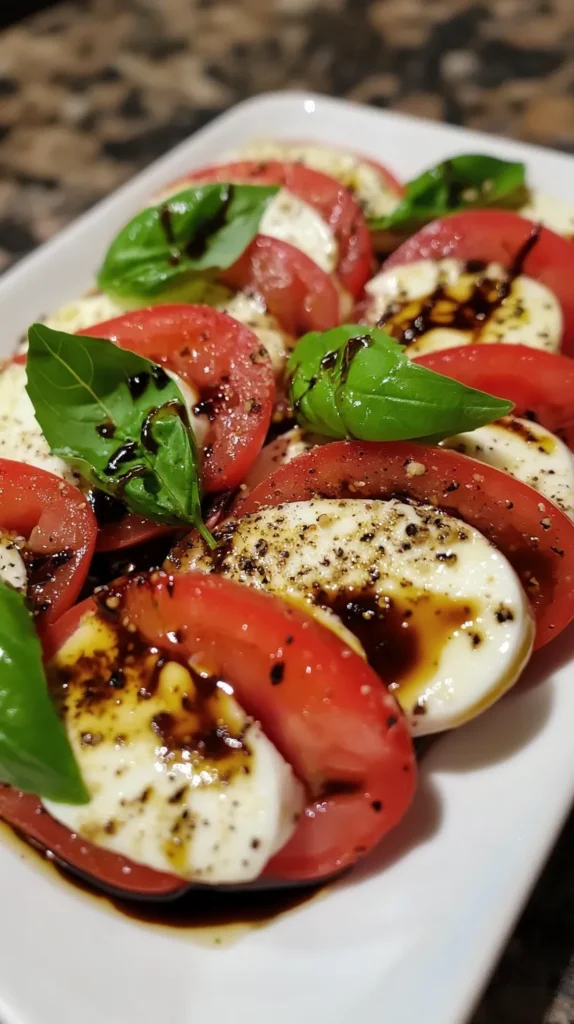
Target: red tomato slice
[(61, 530), (329, 716), (295, 290), (541, 384), (497, 236), (224, 361), (535, 536), (328, 197)]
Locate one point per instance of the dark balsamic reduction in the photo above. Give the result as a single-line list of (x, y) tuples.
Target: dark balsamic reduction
[(106, 429), (486, 297), (352, 348), (218, 913), (400, 636), (137, 384), (208, 405), (125, 453), (197, 245), (106, 508)]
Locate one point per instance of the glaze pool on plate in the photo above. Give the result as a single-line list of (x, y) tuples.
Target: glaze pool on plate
[(419, 925)]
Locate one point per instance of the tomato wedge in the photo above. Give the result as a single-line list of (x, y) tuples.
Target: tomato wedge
[(329, 716), (541, 384), (61, 530), (295, 290), (333, 203), (535, 536), (498, 236), (220, 358)]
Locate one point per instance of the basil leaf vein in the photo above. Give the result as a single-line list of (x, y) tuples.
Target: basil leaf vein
[(119, 420), (461, 183), (201, 229), (357, 382), (35, 754)]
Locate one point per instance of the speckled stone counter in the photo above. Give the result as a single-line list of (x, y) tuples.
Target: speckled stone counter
[(92, 91)]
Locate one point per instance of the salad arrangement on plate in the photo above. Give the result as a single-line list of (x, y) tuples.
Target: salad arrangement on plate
[(291, 487)]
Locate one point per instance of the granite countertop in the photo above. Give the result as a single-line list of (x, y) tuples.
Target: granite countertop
[(92, 91)]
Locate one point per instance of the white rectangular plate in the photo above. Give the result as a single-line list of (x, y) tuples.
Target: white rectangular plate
[(411, 934)]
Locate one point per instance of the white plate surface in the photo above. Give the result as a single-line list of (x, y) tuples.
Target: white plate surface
[(410, 936)]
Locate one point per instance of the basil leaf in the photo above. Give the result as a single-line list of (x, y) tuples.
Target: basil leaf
[(461, 183), (119, 420), (357, 382), (35, 755), (206, 227)]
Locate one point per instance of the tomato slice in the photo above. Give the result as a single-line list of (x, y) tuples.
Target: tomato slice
[(61, 530), (329, 716), (224, 361), (541, 384), (328, 197), (295, 290), (498, 236), (535, 536)]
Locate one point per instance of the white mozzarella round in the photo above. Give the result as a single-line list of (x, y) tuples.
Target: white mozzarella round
[(528, 452), (552, 213), (12, 566), (251, 311), (428, 304), (154, 797), (363, 179), (289, 219), (21, 438), (91, 309), (440, 612)]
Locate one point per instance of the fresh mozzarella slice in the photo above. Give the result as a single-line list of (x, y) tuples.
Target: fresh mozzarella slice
[(552, 213), (12, 566), (440, 612), (180, 779), (21, 438), (362, 178), (91, 309), (527, 451), (290, 219), (251, 311), (430, 305)]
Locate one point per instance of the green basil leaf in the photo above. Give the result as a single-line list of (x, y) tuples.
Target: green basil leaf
[(35, 755), (357, 382), (461, 183), (119, 420), (206, 227)]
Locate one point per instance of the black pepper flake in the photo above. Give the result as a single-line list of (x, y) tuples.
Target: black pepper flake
[(255, 843), (377, 805), (277, 673), (419, 708), (391, 720), (411, 529), (289, 639), (557, 551)]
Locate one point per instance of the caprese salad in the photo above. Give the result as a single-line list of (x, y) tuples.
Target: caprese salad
[(270, 510)]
